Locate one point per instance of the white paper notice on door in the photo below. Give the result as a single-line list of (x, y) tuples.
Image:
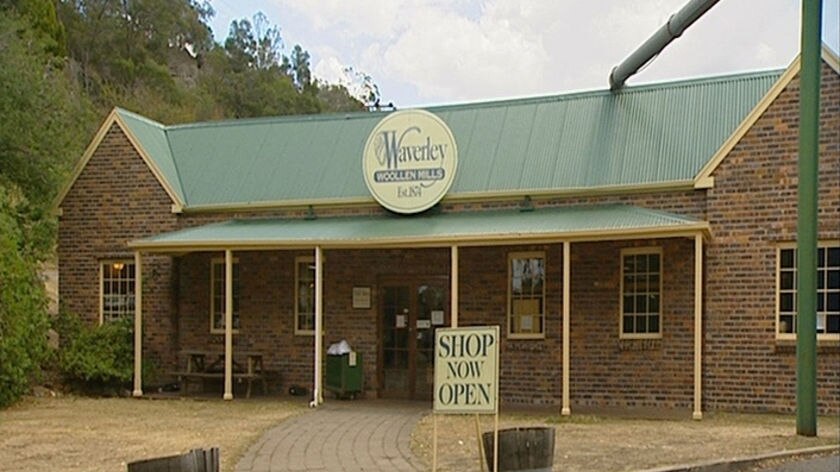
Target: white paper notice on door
[(401, 321), (424, 324), (437, 317)]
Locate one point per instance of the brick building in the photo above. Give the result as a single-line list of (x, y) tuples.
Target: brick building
[(636, 248)]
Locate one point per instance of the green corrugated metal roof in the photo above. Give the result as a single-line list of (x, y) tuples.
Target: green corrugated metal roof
[(642, 135), (433, 229), (152, 136)]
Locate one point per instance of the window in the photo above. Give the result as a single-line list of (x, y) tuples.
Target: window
[(217, 296), (828, 290), (641, 293), (116, 290), (304, 295), (526, 295)]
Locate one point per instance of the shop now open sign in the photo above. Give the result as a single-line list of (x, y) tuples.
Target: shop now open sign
[(466, 369)]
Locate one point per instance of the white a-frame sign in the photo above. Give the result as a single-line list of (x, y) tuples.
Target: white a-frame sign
[(467, 378)]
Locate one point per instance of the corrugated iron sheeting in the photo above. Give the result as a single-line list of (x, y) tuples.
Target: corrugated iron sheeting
[(440, 228), (641, 135)]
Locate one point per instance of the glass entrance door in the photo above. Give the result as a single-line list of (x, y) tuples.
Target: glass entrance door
[(396, 309), (410, 313)]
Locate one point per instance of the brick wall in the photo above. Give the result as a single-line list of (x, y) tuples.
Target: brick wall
[(609, 371), (752, 209), (115, 199), (530, 370), (605, 371), (267, 304)]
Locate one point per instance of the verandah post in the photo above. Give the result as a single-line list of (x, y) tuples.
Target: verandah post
[(454, 286), (567, 274), (318, 395), (228, 395), (698, 327), (138, 325)]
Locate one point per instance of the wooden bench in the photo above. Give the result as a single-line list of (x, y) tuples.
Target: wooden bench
[(187, 377)]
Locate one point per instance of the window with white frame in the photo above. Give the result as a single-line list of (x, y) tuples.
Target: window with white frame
[(641, 293), (305, 295), (116, 290), (217, 296), (526, 295), (828, 291)]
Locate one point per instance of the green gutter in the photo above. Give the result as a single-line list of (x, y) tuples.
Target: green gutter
[(809, 136)]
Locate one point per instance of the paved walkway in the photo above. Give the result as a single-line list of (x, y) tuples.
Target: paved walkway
[(340, 436), (820, 464)]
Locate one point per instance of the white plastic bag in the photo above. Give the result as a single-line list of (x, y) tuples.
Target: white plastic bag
[(339, 348)]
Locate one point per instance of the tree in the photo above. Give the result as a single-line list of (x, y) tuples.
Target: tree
[(254, 47), (157, 57), (336, 98), (43, 127), (41, 16), (44, 116), (251, 77), (125, 49), (300, 69)]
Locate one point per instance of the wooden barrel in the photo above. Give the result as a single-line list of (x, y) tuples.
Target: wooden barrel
[(522, 449), (197, 460)]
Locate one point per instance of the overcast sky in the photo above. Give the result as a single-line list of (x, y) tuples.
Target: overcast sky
[(425, 52)]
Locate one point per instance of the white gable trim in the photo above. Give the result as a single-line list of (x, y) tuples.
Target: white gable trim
[(114, 118), (704, 178)]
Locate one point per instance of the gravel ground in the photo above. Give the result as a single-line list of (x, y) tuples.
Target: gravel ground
[(608, 443)]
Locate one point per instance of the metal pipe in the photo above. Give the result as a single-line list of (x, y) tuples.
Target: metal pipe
[(806, 269), (677, 23)]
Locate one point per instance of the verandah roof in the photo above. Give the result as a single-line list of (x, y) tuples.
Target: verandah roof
[(429, 230)]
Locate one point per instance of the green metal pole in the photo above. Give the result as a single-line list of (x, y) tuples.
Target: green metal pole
[(806, 269)]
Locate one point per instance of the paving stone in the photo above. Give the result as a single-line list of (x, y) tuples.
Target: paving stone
[(340, 436)]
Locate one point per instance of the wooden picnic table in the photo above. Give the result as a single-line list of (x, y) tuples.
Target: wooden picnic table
[(209, 364)]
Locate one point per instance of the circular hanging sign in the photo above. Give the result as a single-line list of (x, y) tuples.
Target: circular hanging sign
[(409, 161)]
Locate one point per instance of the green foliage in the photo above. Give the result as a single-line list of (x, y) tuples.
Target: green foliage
[(250, 77), (300, 69), (96, 357), (127, 45), (23, 317), (256, 46), (44, 116), (336, 98), (157, 57), (68, 326), (43, 19)]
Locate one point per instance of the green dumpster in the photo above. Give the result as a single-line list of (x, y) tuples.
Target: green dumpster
[(344, 374)]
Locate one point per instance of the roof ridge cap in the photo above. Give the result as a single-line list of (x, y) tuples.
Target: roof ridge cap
[(137, 116), (276, 118)]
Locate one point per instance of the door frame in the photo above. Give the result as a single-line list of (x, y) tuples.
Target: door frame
[(412, 281)]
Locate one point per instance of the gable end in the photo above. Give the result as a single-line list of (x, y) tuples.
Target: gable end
[(704, 178), (114, 118)]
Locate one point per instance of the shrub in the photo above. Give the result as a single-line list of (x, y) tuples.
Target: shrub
[(96, 358), (23, 302)]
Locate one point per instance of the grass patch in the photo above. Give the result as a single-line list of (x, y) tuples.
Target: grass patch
[(104, 434), (619, 443)]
